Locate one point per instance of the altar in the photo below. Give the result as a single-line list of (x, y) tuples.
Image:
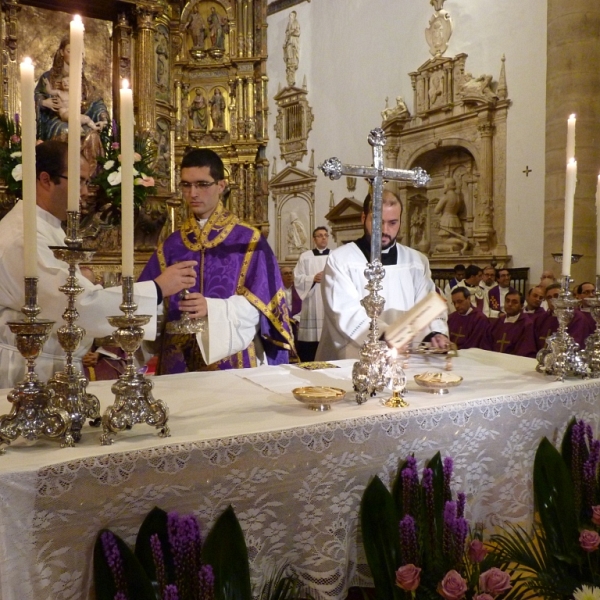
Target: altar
[(294, 476)]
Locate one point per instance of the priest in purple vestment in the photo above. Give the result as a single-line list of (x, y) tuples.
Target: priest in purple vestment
[(512, 332), (545, 325), (238, 291), (468, 326)]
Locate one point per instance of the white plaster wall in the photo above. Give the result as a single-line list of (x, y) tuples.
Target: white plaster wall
[(354, 53)]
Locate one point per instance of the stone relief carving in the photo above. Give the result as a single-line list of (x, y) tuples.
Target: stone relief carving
[(291, 49), (439, 32), (400, 110)]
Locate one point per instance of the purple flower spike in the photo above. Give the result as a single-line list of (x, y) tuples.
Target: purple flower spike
[(159, 561), (171, 593), (447, 470), (460, 507), (408, 541), (114, 560), (120, 596), (207, 583)]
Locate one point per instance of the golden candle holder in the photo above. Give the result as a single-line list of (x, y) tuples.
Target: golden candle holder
[(33, 413), (70, 385), (395, 380), (133, 392)]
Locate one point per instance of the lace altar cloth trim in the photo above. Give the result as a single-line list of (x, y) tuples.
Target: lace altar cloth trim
[(296, 492)]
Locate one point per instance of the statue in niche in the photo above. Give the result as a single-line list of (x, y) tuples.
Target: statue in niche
[(162, 61), (450, 207), (418, 238), (197, 28), (395, 111), (291, 48), (50, 124), (217, 110), (296, 235), (217, 28), (163, 153), (198, 112), (435, 89)]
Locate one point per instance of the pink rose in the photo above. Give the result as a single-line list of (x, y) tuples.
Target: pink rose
[(596, 515), (477, 551), (136, 157), (408, 577), (115, 145), (589, 540), (483, 597), (453, 586), (494, 582), (15, 139)]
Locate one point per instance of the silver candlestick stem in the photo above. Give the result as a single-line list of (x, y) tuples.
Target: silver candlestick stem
[(33, 414), (592, 344), (70, 385), (185, 324), (133, 392), (562, 356)]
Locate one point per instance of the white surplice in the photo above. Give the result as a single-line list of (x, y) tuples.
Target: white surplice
[(94, 304), (311, 316), (346, 323)]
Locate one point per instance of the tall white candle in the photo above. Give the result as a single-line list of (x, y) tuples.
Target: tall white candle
[(127, 150), (598, 227), (74, 138), (571, 138), (28, 126), (570, 183)]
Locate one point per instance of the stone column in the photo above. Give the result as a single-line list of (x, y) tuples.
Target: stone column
[(572, 86), (483, 228), (144, 83)]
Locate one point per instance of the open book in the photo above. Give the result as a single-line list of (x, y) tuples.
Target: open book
[(406, 327)]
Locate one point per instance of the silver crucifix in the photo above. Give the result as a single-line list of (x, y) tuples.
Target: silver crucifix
[(369, 373)]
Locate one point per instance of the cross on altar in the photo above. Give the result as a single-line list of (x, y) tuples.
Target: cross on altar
[(503, 342), (378, 173)]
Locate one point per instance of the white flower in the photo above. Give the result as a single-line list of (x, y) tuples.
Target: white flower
[(587, 593), (16, 155), (17, 172), (114, 178), (108, 165), (135, 172)]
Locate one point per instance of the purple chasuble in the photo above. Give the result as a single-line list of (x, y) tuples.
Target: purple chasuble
[(516, 338), (233, 259), (494, 297), (545, 325), (470, 331)]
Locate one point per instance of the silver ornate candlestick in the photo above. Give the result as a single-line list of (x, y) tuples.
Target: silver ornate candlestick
[(70, 385), (133, 392), (33, 414), (592, 344), (367, 374), (562, 356)]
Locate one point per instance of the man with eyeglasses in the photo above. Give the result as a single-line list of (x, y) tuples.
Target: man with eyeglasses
[(238, 292), (94, 303), (308, 275)]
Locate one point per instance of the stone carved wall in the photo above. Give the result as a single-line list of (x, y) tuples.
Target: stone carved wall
[(458, 134)]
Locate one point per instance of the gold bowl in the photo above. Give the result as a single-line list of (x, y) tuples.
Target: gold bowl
[(318, 397), (437, 382)]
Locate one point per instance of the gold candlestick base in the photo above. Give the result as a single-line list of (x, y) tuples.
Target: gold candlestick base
[(33, 413), (134, 402), (395, 401)]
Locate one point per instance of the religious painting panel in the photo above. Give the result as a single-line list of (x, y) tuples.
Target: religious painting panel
[(43, 35)]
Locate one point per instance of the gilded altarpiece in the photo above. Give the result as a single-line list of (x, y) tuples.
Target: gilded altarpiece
[(198, 71), (458, 134)]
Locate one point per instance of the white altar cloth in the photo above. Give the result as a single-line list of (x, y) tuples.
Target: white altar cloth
[(294, 476)]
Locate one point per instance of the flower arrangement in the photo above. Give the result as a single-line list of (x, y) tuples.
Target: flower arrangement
[(11, 168), (172, 562), (417, 540), (562, 553), (108, 174)]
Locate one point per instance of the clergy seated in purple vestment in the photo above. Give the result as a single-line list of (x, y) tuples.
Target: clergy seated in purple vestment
[(238, 292), (533, 303), (498, 293), (512, 332), (469, 327), (582, 291), (545, 325)]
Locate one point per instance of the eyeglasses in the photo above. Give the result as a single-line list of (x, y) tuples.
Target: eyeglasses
[(186, 186), (82, 182)]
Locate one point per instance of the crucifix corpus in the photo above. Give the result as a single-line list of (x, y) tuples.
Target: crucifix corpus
[(371, 372)]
